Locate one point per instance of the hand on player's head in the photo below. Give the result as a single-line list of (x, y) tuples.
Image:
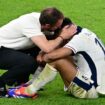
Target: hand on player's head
[(68, 31)]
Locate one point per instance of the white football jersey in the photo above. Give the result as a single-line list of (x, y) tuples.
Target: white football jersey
[(17, 33), (89, 55)]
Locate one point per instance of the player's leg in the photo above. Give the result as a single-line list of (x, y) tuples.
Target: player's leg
[(48, 75), (66, 68), (77, 84)]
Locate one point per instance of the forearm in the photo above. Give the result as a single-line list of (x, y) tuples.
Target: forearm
[(45, 45), (53, 44), (57, 54)]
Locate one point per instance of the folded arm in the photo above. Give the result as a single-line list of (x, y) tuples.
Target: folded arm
[(48, 46), (57, 54)]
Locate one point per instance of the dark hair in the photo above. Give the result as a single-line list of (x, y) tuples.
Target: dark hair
[(50, 16), (66, 21)]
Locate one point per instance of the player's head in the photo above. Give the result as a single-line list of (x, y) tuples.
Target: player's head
[(66, 21), (51, 19)]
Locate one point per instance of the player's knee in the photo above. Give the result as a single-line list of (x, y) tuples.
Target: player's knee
[(59, 62), (56, 63), (65, 60)]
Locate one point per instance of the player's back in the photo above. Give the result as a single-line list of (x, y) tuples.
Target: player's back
[(91, 58)]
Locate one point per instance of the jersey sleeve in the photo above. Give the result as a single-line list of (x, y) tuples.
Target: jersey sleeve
[(76, 44)]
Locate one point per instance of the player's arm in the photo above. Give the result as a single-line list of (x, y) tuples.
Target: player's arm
[(48, 46), (57, 54)]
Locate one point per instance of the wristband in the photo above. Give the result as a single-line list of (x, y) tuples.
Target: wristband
[(61, 37)]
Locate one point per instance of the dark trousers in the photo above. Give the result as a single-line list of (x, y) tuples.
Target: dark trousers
[(19, 65)]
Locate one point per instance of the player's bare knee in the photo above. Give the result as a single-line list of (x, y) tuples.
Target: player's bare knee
[(57, 62), (60, 61), (53, 64)]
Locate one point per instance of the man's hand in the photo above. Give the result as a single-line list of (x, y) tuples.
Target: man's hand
[(68, 31), (40, 57), (46, 58)]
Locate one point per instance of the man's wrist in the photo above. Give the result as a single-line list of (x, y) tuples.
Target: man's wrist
[(61, 38)]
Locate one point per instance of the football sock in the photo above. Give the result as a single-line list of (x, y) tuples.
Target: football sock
[(47, 75)]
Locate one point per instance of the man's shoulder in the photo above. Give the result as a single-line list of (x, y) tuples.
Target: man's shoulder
[(30, 18), (32, 14)]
